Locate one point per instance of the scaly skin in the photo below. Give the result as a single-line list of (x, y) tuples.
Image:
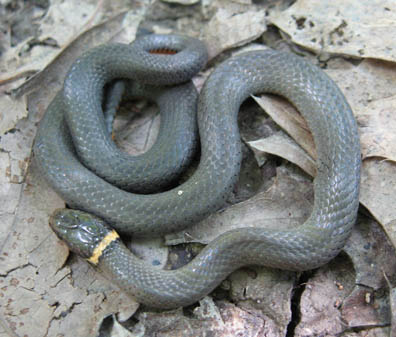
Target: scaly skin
[(312, 244)]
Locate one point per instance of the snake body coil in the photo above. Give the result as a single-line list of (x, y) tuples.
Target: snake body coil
[(312, 244)]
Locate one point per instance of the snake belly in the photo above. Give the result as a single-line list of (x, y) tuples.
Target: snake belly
[(308, 246)]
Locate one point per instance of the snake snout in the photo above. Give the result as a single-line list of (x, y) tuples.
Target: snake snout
[(61, 219), (81, 231)]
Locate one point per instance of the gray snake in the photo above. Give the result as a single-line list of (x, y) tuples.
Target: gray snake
[(59, 150)]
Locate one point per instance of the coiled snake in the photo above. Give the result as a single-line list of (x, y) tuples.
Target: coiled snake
[(156, 60)]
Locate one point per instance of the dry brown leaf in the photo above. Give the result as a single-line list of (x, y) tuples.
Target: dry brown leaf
[(283, 146), (63, 20), (227, 29), (135, 133), (31, 256), (369, 332), (350, 291), (364, 308), (220, 320), (210, 7), (55, 71), (25, 274), (267, 292), (150, 250), (15, 154), (356, 28), (286, 204), (34, 282), (11, 111), (371, 80), (288, 118), (119, 330), (322, 297), (377, 125), (377, 193), (371, 253)]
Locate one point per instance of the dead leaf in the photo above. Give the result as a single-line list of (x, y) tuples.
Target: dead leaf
[(150, 250), (372, 254), (289, 119), (119, 331), (366, 308), (62, 21), (283, 146), (136, 132), (350, 291), (53, 73), (11, 111), (377, 193), (322, 297), (220, 320), (363, 29), (377, 125), (227, 29), (286, 204), (358, 82), (32, 258), (266, 291), (210, 7)]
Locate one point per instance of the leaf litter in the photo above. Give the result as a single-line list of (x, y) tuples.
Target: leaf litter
[(41, 283)]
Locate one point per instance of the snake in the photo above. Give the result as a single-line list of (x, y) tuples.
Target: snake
[(73, 134)]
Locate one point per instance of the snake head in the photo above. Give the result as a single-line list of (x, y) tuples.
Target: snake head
[(82, 232)]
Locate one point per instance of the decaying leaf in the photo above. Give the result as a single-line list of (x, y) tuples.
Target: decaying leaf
[(287, 117), (41, 295), (322, 298), (227, 29), (359, 28), (350, 292), (44, 291), (378, 129), (11, 110), (55, 70), (371, 253), (62, 21), (268, 293), (221, 320), (377, 193), (358, 82), (366, 308), (286, 204), (283, 146)]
